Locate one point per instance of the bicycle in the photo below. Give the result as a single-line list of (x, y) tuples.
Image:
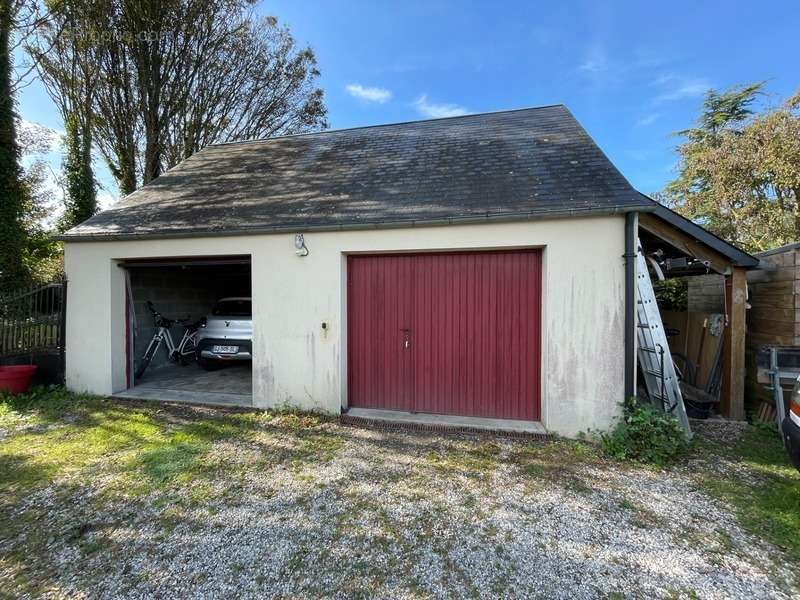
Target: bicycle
[(186, 347)]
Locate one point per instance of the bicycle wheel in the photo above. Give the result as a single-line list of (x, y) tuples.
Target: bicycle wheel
[(145, 362), (188, 353)]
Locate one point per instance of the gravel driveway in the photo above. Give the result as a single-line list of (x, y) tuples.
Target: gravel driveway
[(318, 509)]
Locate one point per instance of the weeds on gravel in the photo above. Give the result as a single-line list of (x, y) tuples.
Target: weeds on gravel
[(646, 435), (50, 432), (474, 460), (556, 462), (125, 449), (762, 486)]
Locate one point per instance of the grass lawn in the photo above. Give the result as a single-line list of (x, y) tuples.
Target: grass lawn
[(138, 451), (762, 486), (100, 497), (52, 433)]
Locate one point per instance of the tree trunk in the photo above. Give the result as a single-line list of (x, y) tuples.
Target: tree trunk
[(152, 156), (89, 192), (126, 174)]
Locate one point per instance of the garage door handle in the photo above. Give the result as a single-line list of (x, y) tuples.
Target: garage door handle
[(406, 338)]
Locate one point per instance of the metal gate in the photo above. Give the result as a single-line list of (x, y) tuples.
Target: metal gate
[(448, 333), (32, 328)]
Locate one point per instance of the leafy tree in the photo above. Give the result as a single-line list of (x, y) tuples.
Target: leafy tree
[(722, 110), (79, 185), (255, 84), (739, 171), (28, 16), (12, 193), (66, 64), (173, 76), (41, 254)]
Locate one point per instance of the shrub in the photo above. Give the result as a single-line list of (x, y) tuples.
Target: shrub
[(672, 294), (645, 435)]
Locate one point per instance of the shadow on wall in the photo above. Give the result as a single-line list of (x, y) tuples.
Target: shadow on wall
[(179, 292)]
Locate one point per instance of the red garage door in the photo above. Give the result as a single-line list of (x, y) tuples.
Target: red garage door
[(455, 333)]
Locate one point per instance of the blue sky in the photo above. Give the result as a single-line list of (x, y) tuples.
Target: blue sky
[(632, 72)]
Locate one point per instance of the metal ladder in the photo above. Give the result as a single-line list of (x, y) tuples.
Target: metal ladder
[(655, 358)]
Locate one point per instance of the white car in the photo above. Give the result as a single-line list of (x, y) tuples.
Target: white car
[(227, 333)]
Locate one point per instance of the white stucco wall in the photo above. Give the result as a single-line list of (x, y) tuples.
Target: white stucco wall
[(297, 363)]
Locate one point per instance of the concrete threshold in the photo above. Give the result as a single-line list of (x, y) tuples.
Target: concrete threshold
[(431, 422), (190, 397)]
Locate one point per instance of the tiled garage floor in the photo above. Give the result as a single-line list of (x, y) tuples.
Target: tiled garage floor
[(231, 385)]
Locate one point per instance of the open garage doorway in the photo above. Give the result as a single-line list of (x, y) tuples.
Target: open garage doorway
[(207, 300)]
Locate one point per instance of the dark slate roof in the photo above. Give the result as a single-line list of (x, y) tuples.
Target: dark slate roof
[(527, 163)]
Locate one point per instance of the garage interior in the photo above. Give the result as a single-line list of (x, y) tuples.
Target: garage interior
[(181, 288)]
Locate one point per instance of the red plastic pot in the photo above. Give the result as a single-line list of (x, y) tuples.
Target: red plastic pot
[(17, 378)]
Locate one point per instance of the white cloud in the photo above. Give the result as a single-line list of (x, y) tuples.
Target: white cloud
[(34, 138), (370, 94), (105, 199), (678, 88), (594, 66), (596, 60), (438, 111), (648, 119)]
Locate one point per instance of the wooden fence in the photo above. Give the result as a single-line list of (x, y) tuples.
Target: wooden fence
[(774, 319)]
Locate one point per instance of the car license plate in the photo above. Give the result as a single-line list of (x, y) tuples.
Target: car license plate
[(225, 349)]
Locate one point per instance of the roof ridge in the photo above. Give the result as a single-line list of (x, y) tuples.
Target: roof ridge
[(411, 122)]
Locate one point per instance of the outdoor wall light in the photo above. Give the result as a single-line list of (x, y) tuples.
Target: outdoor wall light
[(300, 245)]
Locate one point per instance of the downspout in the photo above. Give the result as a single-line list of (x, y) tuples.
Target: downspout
[(631, 226)]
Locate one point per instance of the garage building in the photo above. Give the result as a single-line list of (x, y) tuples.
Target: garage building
[(465, 268)]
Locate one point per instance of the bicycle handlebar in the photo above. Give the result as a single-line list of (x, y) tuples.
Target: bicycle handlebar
[(160, 319), (163, 321)]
